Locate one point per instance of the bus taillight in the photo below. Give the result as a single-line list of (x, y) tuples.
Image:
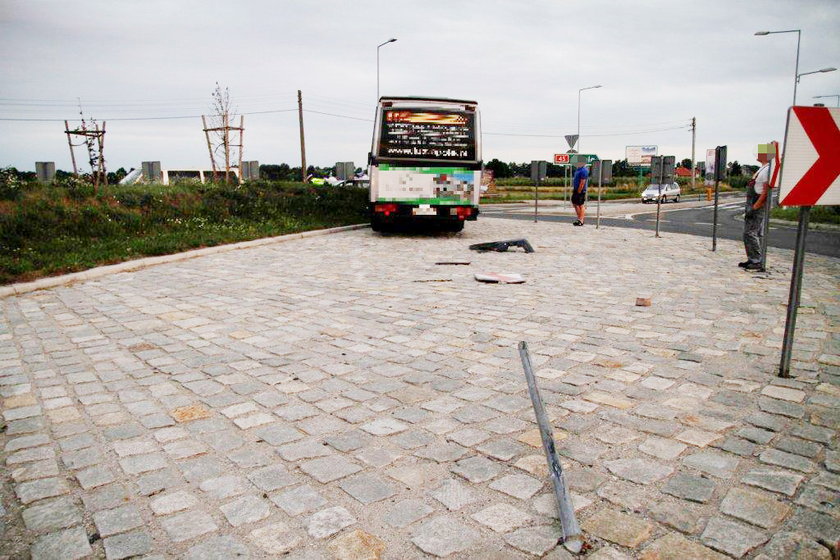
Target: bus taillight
[(386, 209), (464, 212)]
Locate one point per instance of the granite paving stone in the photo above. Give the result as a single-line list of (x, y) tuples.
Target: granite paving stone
[(618, 527), (690, 487), (188, 525), (54, 514), (758, 508), (640, 471), (328, 522), (118, 520), (68, 544), (218, 548), (127, 545), (245, 509), (296, 501), (406, 512), (502, 518), (444, 536), (731, 538), (782, 482)]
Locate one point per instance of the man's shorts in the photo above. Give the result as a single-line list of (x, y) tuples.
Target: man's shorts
[(579, 198)]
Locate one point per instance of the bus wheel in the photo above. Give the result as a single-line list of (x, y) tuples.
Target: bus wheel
[(376, 224), (453, 227)]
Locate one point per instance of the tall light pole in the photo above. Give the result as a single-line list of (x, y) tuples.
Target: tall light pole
[(836, 96), (798, 39), (821, 70), (578, 127), (377, 65)]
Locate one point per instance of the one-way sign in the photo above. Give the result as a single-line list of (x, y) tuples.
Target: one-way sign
[(811, 163)]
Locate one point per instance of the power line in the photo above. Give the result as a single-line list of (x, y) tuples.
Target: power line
[(150, 118)]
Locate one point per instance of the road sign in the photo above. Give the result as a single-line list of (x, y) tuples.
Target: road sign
[(572, 139), (720, 163), (538, 170), (561, 159), (811, 163), (586, 158)]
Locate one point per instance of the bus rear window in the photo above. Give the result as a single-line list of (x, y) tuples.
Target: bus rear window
[(427, 134)]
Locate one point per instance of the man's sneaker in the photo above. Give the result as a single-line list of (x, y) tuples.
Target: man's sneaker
[(744, 264), (577, 223), (753, 266)]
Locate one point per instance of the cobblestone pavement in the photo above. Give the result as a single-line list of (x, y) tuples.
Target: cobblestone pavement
[(344, 397)]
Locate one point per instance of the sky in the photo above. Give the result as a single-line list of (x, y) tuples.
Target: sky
[(659, 62)]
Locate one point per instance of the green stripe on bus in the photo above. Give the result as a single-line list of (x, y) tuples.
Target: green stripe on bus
[(439, 201)]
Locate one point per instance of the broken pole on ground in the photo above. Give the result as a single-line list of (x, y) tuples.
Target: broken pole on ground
[(572, 538)]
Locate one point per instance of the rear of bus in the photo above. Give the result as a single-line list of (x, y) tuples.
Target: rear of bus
[(425, 162)]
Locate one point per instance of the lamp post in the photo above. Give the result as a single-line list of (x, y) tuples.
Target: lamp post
[(377, 65), (798, 39), (836, 97), (821, 70), (578, 124)]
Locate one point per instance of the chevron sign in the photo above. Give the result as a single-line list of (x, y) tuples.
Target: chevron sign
[(811, 163)]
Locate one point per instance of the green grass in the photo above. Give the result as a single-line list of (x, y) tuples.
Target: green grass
[(56, 229), (819, 214)]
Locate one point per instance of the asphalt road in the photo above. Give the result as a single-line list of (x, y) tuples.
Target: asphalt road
[(681, 217)]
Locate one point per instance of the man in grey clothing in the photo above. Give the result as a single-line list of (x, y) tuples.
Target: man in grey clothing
[(758, 192)]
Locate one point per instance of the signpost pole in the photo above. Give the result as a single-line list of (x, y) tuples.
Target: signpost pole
[(536, 199), (795, 290), (768, 205), (715, 220), (659, 180), (600, 183)]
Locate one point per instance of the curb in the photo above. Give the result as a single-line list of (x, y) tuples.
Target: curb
[(146, 262), (811, 225)]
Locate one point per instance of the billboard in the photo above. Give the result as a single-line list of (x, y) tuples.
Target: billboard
[(422, 134), (640, 155)]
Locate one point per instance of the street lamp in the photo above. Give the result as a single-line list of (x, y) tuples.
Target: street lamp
[(835, 96), (829, 69), (798, 38), (377, 65), (578, 124)]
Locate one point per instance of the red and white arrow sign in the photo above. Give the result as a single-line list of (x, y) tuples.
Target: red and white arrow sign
[(811, 163)]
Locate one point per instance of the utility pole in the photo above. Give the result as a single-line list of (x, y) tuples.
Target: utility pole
[(302, 142), (693, 135)]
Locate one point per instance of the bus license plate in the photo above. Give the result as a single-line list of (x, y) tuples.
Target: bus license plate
[(425, 210)]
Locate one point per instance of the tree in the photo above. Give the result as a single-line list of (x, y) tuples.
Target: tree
[(499, 168), (622, 169), (735, 168), (686, 163)]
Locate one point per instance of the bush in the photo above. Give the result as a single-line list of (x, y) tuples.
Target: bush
[(63, 227)]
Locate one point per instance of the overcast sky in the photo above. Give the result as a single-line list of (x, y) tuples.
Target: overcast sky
[(660, 63)]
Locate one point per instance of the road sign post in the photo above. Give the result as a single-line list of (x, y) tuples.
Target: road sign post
[(809, 176), (603, 168), (720, 173), (538, 173), (771, 150)]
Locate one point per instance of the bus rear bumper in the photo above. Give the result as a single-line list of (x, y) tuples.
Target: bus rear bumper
[(393, 213)]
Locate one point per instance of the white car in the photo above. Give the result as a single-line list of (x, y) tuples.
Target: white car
[(669, 191)]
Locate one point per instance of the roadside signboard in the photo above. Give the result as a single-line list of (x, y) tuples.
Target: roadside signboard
[(640, 155), (572, 140), (538, 170), (709, 172), (561, 159), (587, 158), (811, 163)]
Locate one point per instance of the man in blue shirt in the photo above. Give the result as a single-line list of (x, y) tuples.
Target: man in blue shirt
[(579, 184)]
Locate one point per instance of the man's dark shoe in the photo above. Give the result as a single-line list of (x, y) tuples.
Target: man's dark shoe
[(744, 264), (577, 223), (753, 266)]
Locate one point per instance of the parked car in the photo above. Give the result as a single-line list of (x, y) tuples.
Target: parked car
[(668, 192)]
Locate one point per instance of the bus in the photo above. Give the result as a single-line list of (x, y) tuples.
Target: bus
[(425, 162)]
